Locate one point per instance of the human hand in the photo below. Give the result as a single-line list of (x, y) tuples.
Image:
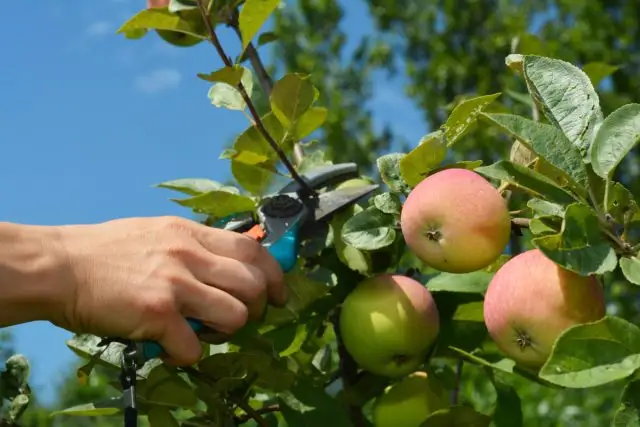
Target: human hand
[(139, 278)]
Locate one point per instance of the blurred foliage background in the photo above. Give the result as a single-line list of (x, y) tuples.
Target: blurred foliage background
[(446, 49)]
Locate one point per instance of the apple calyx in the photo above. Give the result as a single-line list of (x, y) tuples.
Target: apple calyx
[(434, 235), (523, 340)]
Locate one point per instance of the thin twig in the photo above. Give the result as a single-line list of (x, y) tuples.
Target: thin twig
[(521, 222), (213, 37), (263, 76), (455, 393), (241, 404), (258, 412)]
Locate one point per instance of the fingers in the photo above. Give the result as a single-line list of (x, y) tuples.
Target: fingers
[(243, 281), (246, 250), (214, 307), (180, 342)]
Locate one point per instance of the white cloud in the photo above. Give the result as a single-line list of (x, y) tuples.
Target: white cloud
[(158, 80), (98, 28)]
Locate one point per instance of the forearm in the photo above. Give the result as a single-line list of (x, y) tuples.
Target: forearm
[(31, 268)]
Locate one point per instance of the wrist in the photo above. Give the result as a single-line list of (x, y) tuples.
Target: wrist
[(33, 274)]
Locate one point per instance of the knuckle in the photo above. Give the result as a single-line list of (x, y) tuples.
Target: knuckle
[(180, 250), (160, 305), (175, 224), (248, 249)]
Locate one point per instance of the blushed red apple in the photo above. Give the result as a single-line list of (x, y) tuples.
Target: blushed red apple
[(531, 300), (455, 221), (388, 324)]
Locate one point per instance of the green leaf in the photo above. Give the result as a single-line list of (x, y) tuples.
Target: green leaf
[(628, 413), (544, 208), (369, 230), (291, 97), (621, 203), (544, 225), (166, 387), (465, 114), (229, 75), (565, 95), (597, 71), (309, 122), (580, 245), (522, 177), (227, 96), (186, 22), (616, 137), (631, 269), (196, 186), (246, 157), (231, 369), (252, 17), (463, 164), (389, 167), (218, 203), (593, 354), (475, 282), (159, 416), (303, 290), (310, 406), (256, 178), (353, 258), (428, 155), (267, 37), (547, 142), (457, 415), (388, 203), (508, 408), (110, 406), (313, 160)]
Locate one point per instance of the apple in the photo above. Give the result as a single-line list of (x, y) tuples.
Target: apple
[(354, 182), (455, 221), (154, 4), (172, 37), (388, 324), (531, 300), (409, 402)]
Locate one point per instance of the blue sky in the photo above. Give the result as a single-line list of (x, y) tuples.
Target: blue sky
[(90, 121)]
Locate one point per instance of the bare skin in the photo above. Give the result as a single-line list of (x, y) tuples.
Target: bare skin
[(136, 278)]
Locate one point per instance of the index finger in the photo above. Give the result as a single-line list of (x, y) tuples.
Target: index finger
[(246, 249)]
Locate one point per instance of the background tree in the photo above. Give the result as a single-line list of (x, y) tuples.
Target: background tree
[(447, 49)]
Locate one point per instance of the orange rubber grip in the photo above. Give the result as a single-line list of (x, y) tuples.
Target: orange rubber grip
[(256, 232)]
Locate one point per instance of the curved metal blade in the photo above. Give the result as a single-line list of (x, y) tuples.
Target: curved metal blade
[(333, 201)]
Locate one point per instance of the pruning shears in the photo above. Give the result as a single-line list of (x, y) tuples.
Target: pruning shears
[(278, 224), (282, 218)]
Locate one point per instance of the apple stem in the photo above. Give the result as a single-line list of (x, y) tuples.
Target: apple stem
[(455, 393)]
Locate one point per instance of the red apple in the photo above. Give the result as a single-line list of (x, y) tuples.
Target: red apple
[(531, 300), (456, 221)]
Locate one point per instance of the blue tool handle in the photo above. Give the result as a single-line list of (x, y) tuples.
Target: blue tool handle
[(284, 250)]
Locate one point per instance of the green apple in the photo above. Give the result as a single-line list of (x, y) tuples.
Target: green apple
[(354, 182), (179, 39), (409, 402), (531, 300), (388, 324), (456, 221)]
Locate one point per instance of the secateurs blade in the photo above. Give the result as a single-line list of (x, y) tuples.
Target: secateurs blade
[(283, 217)]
